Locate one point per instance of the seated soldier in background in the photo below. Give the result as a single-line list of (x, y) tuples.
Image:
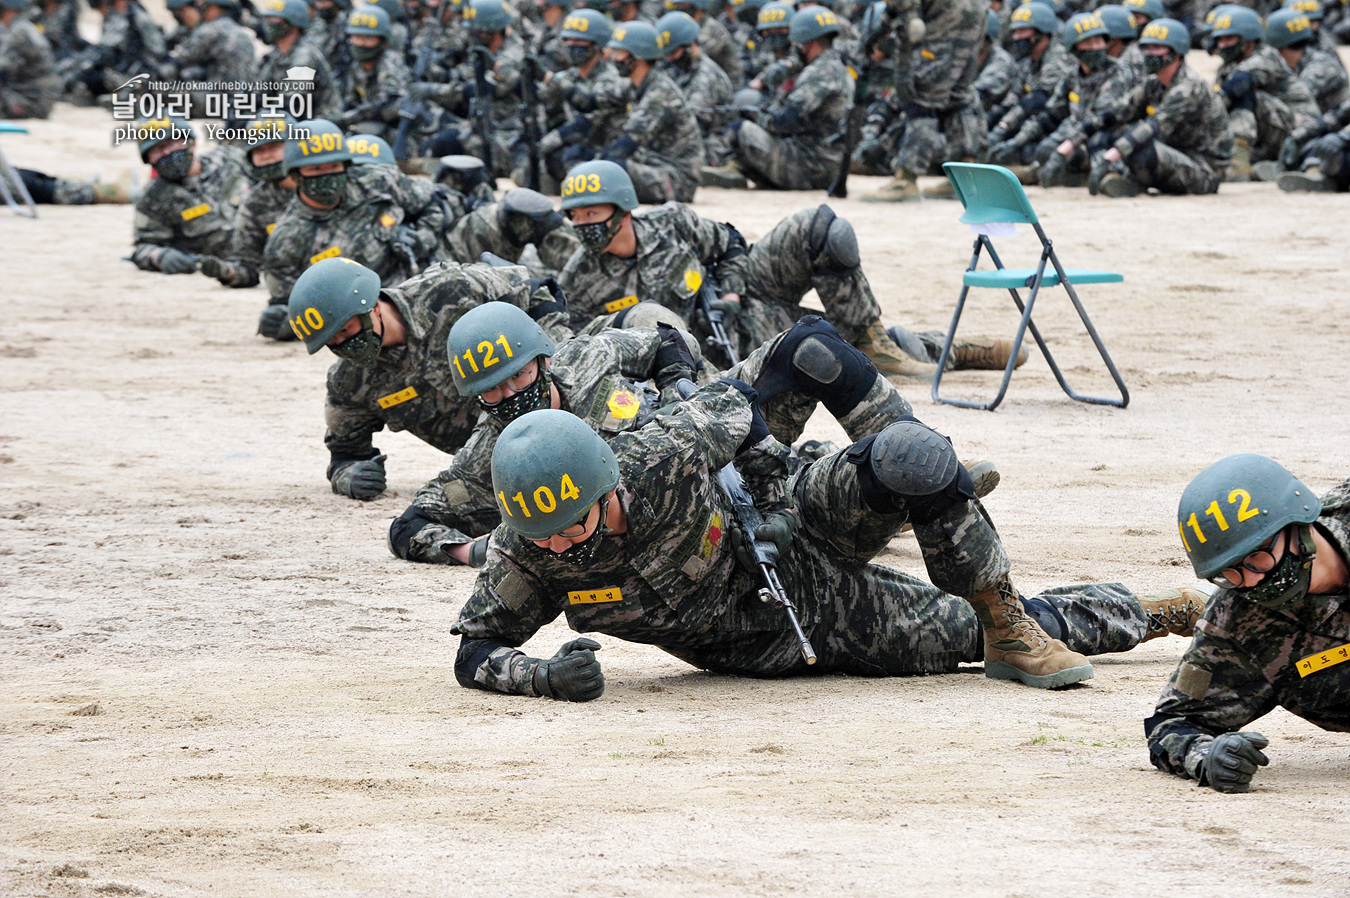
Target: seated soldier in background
[(392, 370), (1318, 155), (1277, 632), (29, 85), (187, 211), (522, 218), (705, 86), (377, 77), (273, 190), (285, 26)]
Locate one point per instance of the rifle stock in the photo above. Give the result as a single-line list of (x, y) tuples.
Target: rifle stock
[(717, 324), (480, 108)]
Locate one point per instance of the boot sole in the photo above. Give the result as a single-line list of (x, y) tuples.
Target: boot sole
[(1002, 670), (1297, 182)]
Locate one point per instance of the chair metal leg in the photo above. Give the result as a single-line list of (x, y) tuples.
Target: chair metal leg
[(1124, 399), (951, 333), (8, 173)]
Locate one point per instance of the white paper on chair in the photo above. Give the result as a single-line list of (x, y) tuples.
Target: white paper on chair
[(995, 229)]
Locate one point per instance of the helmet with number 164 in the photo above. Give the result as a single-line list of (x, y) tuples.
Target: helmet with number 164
[(491, 343), (1235, 505), (548, 469), (326, 296)]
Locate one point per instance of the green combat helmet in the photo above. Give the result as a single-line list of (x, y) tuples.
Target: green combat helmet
[(1145, 10), (1082, 26), (152, 132), (492, 343), (325, 143), (1235, 505), (1289, 27), (488, 16), (811, 23), (328, 295), (369, 20), (677, 29), (1166, 33), (593, 184), (1037, 16), (1310, 8), (369, 149), (548, 469), (639, 39), (587, 25)]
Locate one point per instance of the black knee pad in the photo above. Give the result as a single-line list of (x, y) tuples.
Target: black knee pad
[(447, 143), (833, 244), (42, 188), (909, 467), (1144, 160), (812, 359), (403, 528)]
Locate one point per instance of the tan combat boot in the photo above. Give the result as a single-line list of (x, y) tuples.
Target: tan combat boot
[(1241, 168), (986, 353), (1016, 648), (878, 346), (1117, 185), (1173, 611), (1310, 180), (903, 188)]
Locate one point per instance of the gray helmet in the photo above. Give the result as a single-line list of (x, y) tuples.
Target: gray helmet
[(992, 26), (326, 296), (1237, 504), (1081, 27), (368, 149), (811, 23), (677, 29), (369, 20), (587, 25), (601, 181), (1287, 27), (548, 469), (1148, 9), (294, 12), (325, 143), (705, 5), (1037, 16), (393, 7), (1310, 8), (1119, 22), (774, 15), (490, 16), (1238, 20), (169, 4), (491, 343), (14, 4), (639, 39), (1167, 33), (152, 132)]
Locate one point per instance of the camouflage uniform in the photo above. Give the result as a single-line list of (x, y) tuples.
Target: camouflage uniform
[(791, 149), (129, 44), (718, 44), (1283, 102), (411, 386), (943, 67), (487, 229), (1133, 56), (221, 48), (601, 99), (665, 165), (504, 79), (1178, 138), (29, 84), (1325, 77), (43, 188), (195, 215), (329, 37), (707, 87), (996, 80), (1244, 663), (324, 94), (1040, 79), (672, 579), (371, 96), (257, 217), (379, 202), (60, 26), (1082, 106)]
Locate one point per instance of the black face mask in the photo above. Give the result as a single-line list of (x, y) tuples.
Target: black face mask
[(1155, 64), (328, 14), (626, 66), (1231, 54), (1092, 60), (583, 553), (174, 166), (534, 397), (326, 190), (275, 29), (596, 235), (366, 54), (1287, 583), (1021, 48), (580, 54), (361, 348), (683, 64), (775, 43), (271, 173)]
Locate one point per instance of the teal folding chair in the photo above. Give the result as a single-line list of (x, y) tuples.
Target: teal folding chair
[(9, 175), (992, 195)]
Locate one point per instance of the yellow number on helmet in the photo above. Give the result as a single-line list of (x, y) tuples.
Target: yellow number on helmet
[(592, 183)]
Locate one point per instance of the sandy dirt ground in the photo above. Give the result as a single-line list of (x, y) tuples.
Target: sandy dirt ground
[(214, 679)]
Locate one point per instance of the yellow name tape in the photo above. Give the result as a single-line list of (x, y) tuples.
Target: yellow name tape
[(196, 211), (595, 596), (398, 398), (330, 253), (1329, 658), (624, 303)]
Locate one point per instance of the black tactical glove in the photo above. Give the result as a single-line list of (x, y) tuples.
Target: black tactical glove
[(673, 358), (1005, 152), (1328, 145), (360, 479), (1053, 171), (478, 551), (997, 135), (1289, 154), (759, 428), (774, 534), (175, 261), (572, 674), (1101, 167), (1232, 760), (272, 323)]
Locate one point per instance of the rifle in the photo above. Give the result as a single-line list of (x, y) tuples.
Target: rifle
[(409, 112), (748, 520), (404, 244), (716, 324), (529, 116), (853, 121), (480, 107)]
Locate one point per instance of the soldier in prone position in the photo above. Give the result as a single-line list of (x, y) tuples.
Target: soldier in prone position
[(392, 370), (1276, 634)]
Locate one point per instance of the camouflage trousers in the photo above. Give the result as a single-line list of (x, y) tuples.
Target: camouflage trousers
[(782, 163), (659, 181), (46, 189), (17, 105), (1265, 129), (872, 620), (1169, 170), (944, 108)]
